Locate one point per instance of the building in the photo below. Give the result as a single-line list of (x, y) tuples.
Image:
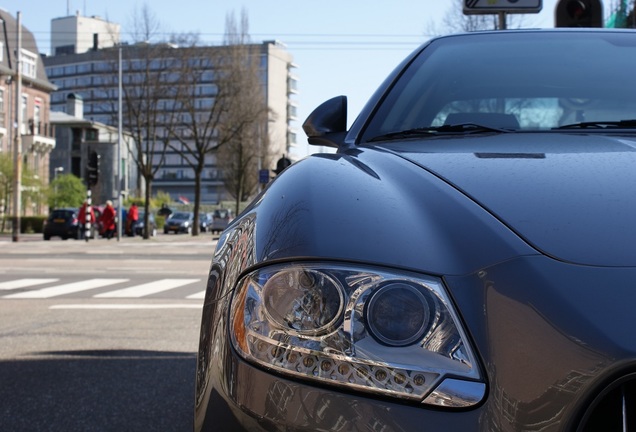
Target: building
[(37, 137), (93, 76), (78, 137), (79, 34)]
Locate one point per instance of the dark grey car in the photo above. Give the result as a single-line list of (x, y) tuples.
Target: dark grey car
[(62, 223), (465, 261), (221, 218), (179, 222)]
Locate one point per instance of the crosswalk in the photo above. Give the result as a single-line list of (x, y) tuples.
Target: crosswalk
[(118, 288)]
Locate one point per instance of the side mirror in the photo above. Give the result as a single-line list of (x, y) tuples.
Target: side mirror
[(327, 124)]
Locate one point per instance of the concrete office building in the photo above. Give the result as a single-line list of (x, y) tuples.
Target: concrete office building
[(78, 34), (92, 75)]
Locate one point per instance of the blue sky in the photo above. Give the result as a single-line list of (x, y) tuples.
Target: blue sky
[(340, 46)]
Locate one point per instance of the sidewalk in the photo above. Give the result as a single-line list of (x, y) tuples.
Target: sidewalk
[(159, 238), (163, 244)]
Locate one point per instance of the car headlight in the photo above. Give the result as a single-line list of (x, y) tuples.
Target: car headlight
[(365, 329)]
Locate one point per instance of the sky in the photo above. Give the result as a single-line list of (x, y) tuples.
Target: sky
[(340, 47)]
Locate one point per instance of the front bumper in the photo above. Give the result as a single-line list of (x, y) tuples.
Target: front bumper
[(550, 337)]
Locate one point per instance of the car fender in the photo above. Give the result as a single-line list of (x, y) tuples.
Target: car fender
[(374, 207)]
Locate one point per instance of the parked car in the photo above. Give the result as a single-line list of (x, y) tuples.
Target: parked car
[(220, 219), (62, 223), (138, 226), (205, 222), (465, 261), (179, 222)]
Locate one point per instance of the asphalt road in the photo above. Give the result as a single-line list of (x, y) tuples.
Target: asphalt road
[(78, 362)]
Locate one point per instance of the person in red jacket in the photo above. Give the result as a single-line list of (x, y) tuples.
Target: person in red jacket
[(82, 219), (131, 219), (108, 220)]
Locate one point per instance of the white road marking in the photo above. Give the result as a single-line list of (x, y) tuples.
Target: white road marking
[(66, 288), (147, 289), (23, 283), (197, 296)]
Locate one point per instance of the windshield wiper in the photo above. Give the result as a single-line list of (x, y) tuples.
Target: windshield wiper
[(463, 128), (621, 124)]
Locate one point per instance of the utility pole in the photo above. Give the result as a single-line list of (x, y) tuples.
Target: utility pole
[(502, 21), (119, 143), (17, 149)]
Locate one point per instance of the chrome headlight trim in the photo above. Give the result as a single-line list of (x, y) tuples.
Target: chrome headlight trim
[(328, 323)]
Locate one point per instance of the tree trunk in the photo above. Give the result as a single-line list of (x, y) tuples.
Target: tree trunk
[(147, 206)]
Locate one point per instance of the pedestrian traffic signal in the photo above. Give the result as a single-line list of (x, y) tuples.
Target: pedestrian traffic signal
[(92, 170), (579, 13)]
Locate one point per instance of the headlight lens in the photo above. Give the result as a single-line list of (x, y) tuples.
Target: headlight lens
[(368, 329), (398, 314), (307, 302)]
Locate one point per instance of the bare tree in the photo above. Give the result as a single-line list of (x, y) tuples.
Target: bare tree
[(211, 122), (621, 14), (241, 160), (247, 151), (145, 26), (148, 95)]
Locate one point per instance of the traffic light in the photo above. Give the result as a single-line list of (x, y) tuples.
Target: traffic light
[(92, 170), (579, 13)]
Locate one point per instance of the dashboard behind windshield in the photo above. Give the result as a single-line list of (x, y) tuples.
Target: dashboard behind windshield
[(526, 81)]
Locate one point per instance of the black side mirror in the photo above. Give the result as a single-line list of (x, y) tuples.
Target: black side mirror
[(327, 124)]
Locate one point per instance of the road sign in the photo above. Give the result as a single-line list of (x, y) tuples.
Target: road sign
[(263, 176), (472, 7)]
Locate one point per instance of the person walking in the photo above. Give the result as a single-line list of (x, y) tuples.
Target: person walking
[(131, 219), (107, 220)]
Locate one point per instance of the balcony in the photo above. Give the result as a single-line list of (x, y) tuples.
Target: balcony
[(39, 137)]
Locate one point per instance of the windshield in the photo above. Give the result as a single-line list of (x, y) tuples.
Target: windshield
[(524, 81), (181, 216), (62, 214)]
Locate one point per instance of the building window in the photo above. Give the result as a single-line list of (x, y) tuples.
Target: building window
[(91, 135), (1, 51), (25, 119), (291, 138), (29, 63), (292, 112), (2, 120), (37, 118), (292, 85)]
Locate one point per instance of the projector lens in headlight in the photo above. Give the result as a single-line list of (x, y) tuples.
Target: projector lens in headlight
[(398, 314)]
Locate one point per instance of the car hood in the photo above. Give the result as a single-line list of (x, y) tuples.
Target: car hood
[(571, 196)]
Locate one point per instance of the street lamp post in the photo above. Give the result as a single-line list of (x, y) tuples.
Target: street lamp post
[(55, 172), (17, 150)]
